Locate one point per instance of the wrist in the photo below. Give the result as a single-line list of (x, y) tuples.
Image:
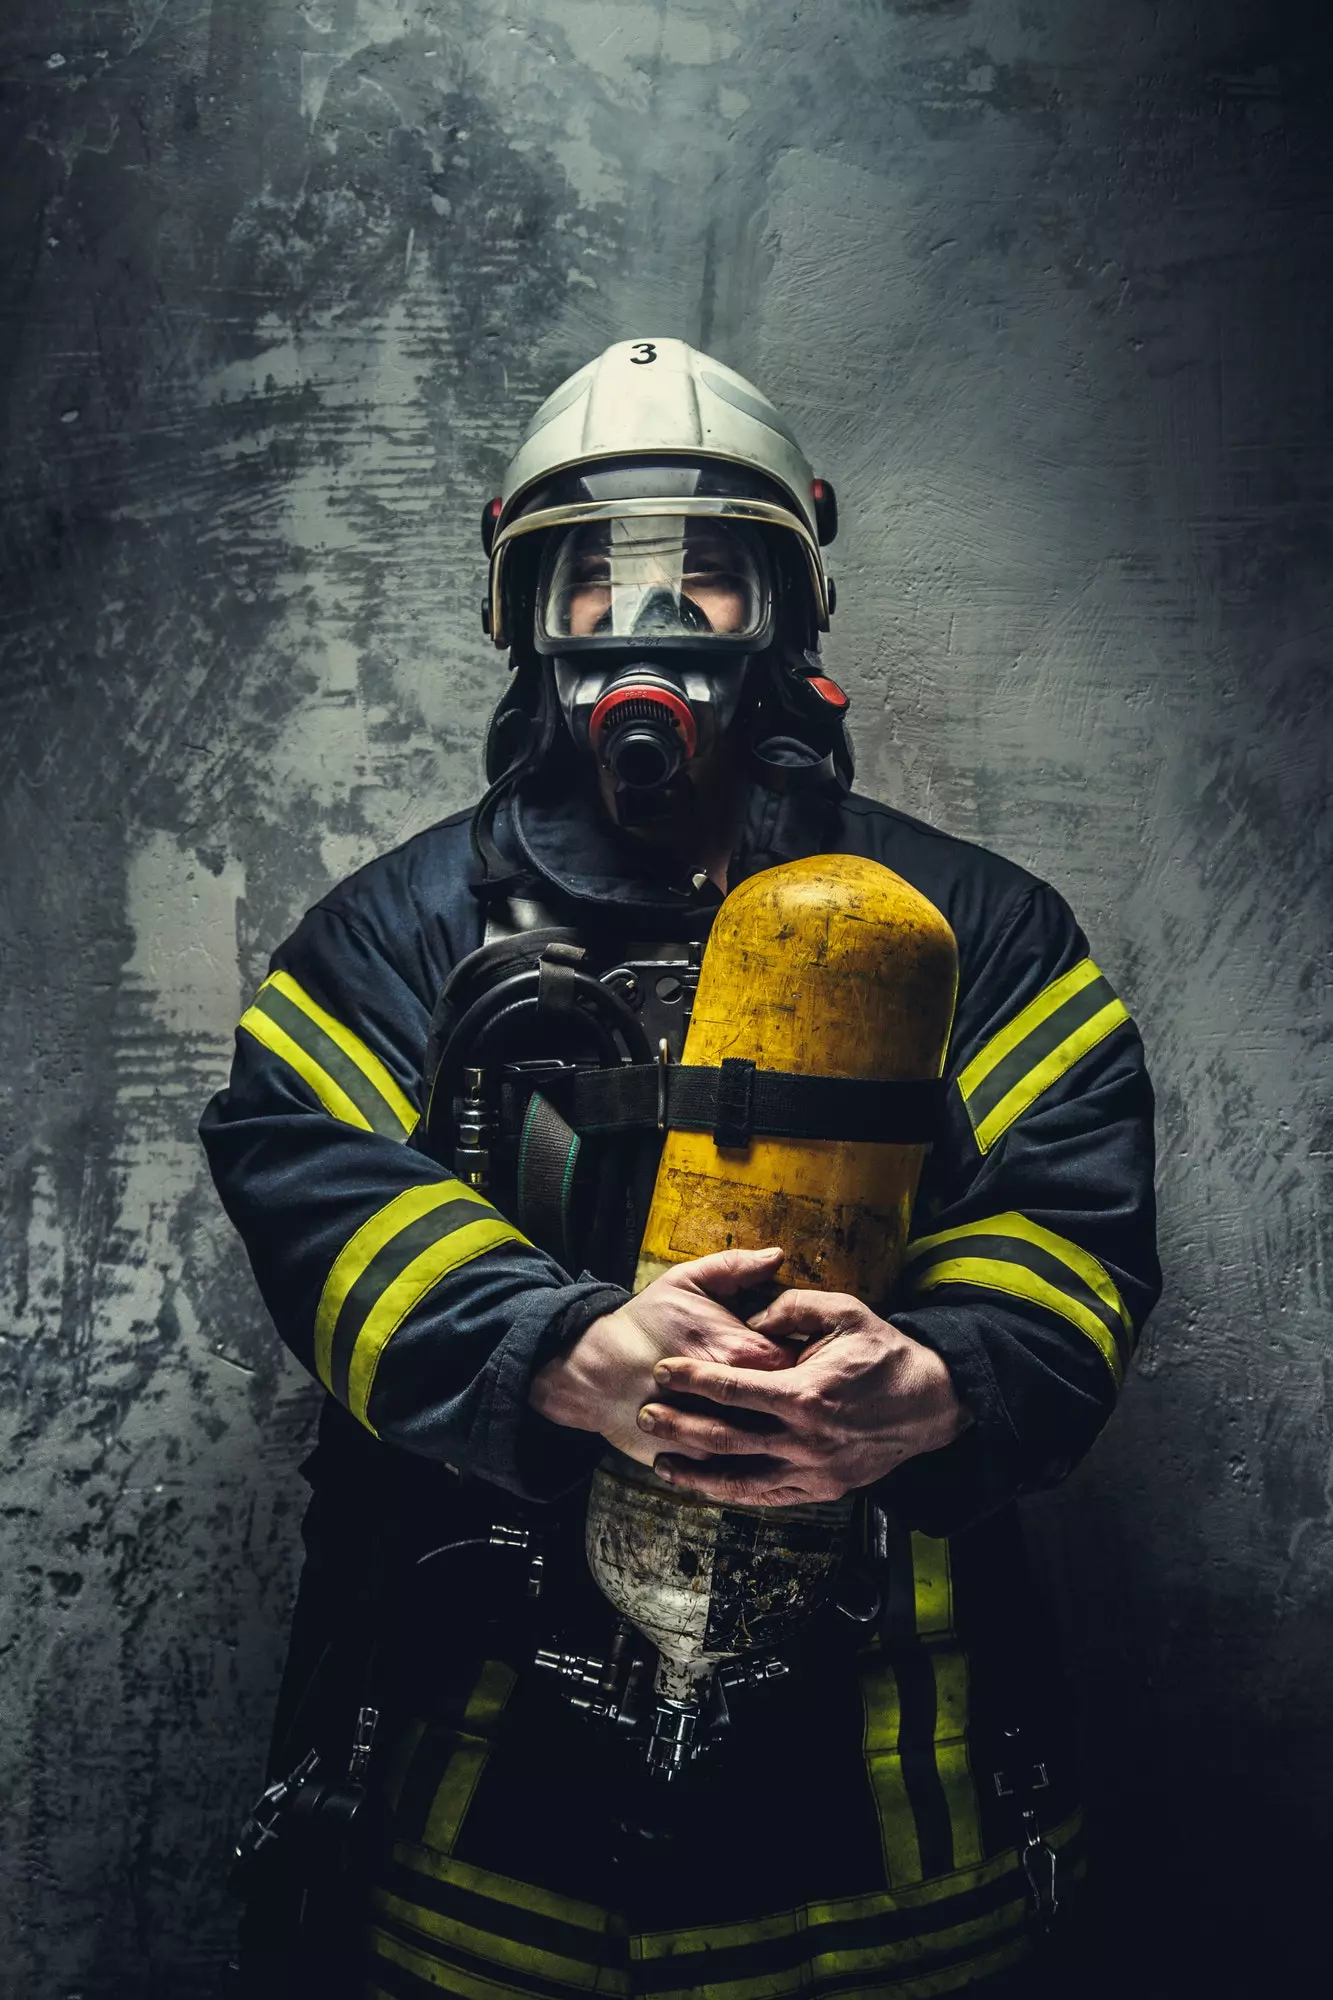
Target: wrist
[(575, 1367), (562, 1381), (943, 1415)]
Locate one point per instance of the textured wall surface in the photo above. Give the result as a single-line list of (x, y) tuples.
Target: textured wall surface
[(1043, 288)]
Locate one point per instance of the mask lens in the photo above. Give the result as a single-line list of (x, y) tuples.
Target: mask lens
[(665, 577)]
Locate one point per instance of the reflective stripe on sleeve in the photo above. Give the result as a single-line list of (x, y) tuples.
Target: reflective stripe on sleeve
[(348, 1078), (1009, 1253), (393, 1261), (1067, 1019)]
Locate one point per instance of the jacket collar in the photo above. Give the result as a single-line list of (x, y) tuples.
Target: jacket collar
[(556, 827)]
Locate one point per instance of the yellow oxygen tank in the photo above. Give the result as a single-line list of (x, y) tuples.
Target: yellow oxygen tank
[(829, 966)]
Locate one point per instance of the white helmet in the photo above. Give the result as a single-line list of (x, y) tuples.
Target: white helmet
[(652, 428)]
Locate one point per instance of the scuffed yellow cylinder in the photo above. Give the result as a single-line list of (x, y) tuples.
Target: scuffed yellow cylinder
[(830, 966)]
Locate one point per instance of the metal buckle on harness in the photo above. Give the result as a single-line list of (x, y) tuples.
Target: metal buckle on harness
[(1039, 1863), (363, 1742), (1020, 1779)]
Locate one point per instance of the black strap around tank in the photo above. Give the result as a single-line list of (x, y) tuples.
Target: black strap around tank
[(736, 1102)]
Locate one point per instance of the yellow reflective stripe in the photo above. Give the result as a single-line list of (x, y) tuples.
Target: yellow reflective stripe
[(720, 1939), (502, 1889), (352, 1047), (1002, 1044), (462, 1773), (506, 1953), (350, 1081), (1024, 1284), (1020, 1282), (933, 1586), (1081, 1262), (447, 1978), (407, 1290), (1031, 1052), (404, 1750), (330, 1094), (951, 1758), (369, 1239), (885, 1967), (897, 1824), (648, 1946), (1048, 1070), (894, 1957), (937, 1889)]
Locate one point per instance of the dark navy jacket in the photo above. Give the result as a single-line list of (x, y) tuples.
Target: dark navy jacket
[(425, 1312)]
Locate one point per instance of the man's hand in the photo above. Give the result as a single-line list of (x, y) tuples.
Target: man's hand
[(862, 1398), (603, 1380)]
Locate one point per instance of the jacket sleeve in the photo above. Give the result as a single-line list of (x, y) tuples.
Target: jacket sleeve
[(1032, 1264), (408, 1295)]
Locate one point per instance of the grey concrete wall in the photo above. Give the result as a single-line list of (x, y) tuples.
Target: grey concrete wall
[(1043, 288)]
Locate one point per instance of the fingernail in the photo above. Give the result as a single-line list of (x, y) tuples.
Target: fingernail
[(667, 1478), (647, 1422), (662, 1373)]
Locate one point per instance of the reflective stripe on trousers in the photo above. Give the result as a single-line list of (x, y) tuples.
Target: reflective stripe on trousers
[(945, 1912)]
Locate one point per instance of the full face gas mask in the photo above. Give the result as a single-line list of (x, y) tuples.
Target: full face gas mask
[(656, 575), (650, 622)]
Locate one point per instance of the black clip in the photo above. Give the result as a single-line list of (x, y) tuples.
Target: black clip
[(1040, 1865), (733, 1110)]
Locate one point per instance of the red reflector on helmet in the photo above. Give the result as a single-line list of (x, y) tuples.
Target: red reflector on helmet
[(490, 516), (828, 691)]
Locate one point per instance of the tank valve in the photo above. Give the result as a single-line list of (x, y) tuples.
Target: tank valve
[(673, 1744)]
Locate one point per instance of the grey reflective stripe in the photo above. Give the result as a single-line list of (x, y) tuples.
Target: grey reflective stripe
[(1034, 1047), (1044, 1040), (325, 1052), (1013, 1250), (387, 1264)]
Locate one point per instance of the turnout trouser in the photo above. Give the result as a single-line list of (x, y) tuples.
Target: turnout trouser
[(847, 1839)]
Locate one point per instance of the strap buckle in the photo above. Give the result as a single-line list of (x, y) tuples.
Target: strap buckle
[(1020, 1779), (363, 1742), (663, 1058)]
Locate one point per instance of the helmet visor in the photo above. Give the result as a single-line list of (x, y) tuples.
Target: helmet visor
[(668, 579)]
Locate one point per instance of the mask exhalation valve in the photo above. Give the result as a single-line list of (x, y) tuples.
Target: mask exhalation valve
[(642, 734)]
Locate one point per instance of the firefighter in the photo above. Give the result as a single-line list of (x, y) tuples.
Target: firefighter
[(899, 1814)]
